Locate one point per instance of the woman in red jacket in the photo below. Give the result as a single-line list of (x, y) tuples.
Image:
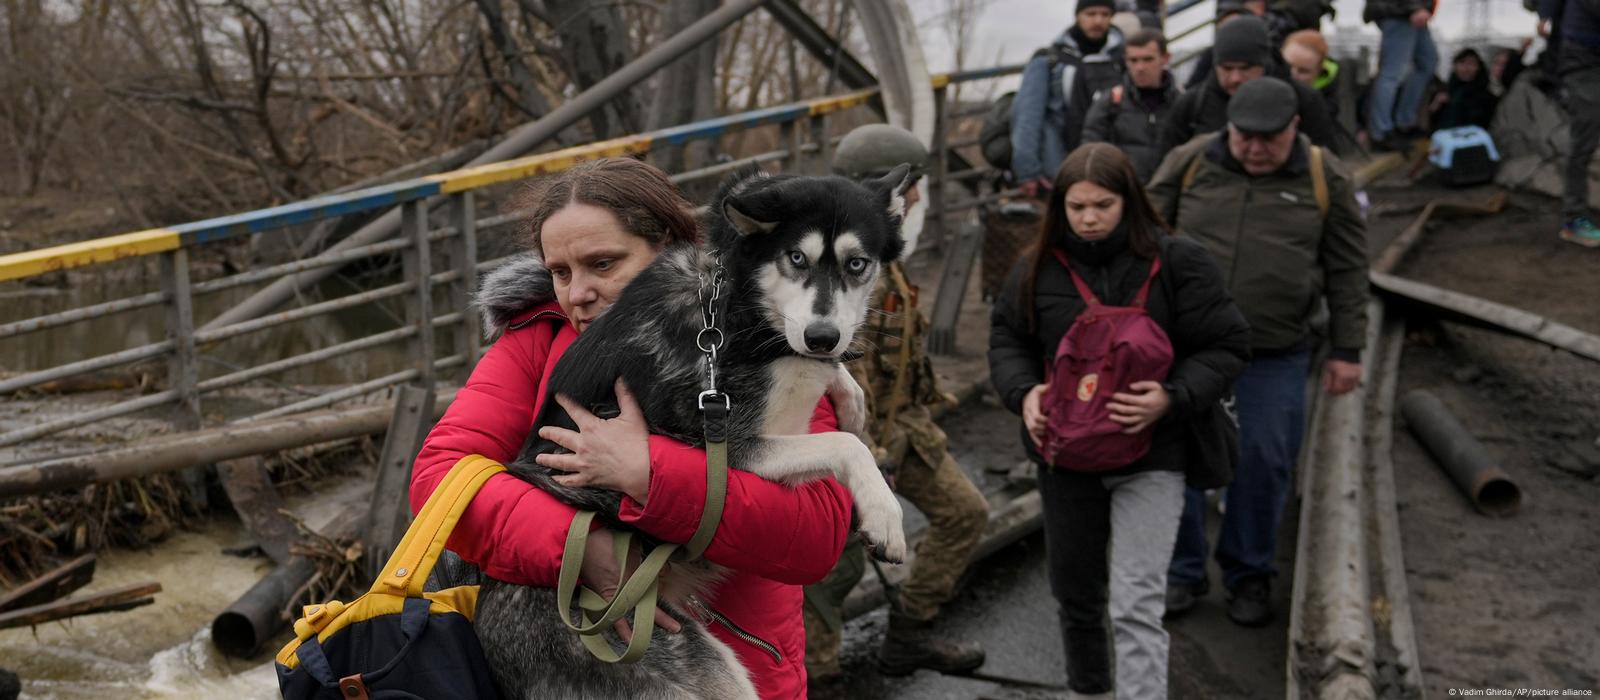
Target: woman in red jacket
[(594, 227)]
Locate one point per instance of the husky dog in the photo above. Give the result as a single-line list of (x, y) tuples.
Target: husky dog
[(801, 256)]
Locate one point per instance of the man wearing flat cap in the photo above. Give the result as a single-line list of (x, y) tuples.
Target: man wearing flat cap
[(1279, 215), (1243, 52), (1058, 84)]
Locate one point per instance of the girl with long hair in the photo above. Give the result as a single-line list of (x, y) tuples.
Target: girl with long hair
[(1101, 223)]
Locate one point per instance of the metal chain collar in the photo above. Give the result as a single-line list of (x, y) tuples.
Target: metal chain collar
[(711, 338)]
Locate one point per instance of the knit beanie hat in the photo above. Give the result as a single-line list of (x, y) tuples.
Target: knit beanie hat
[(1086, 4), (1242, 40)]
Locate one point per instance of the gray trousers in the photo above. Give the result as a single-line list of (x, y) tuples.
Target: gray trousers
[(1583, 108), (1108, 541)]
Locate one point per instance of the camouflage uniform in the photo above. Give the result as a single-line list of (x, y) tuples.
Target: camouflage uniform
[(909, 444)]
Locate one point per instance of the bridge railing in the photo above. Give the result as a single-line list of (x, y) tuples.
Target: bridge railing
[(438, 247)]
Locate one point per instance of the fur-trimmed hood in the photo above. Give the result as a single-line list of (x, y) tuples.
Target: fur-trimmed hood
[(512, 290)]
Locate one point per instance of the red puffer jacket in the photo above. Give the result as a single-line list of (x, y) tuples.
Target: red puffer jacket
[(774, 538)]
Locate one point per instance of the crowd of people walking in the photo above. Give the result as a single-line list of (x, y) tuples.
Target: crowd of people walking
[(1196, 245)]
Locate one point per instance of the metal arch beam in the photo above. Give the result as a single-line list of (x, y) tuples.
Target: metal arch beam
[(819, 43), (523, 139), (825, 48)]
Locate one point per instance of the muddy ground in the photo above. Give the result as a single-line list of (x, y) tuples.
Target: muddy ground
[(1506, 603), (1006, 605)]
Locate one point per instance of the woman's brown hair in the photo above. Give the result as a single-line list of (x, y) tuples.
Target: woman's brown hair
[(642, 198), (1105, 165)]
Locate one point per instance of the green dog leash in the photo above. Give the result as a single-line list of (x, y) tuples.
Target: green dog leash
[(638, 592)]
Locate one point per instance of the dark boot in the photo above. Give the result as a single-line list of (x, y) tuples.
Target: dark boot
[(911, 644), (1182, 597), (1250, 602)]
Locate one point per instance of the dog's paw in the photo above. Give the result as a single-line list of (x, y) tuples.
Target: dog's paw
[(882, 524), (849, 402)]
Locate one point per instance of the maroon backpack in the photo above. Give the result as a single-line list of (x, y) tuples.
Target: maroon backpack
[(1105, 351)]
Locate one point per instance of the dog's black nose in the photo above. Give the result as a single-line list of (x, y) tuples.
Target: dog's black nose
[(821, 337)]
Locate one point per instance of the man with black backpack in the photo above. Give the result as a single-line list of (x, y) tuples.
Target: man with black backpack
[(1048, 110), (1279, 215), (1129, 115)]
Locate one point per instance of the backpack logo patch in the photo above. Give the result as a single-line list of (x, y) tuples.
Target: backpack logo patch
[(1088, 385)]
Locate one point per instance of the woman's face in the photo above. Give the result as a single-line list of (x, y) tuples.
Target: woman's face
[(1093, 211), (1467, 68), (591, 258)]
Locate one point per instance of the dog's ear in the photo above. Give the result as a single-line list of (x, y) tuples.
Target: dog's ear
[(896, 183), (743, 219)]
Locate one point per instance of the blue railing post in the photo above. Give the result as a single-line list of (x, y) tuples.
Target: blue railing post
[(417, 262), (933, 226), (464, 254), (182, 371)]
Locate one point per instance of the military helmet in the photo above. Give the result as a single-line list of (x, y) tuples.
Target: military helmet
[(875, 149)]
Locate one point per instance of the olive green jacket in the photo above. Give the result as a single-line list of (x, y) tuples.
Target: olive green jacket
[(1277, 251)]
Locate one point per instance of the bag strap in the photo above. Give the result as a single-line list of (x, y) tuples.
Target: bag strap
[(908, 320), (1088, 295), (408, 568), (1319, 181), (1084, 291), (1191, 173), (1144, 289)]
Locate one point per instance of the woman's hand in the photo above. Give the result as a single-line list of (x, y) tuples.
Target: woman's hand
[(1140, 409), (1033, 413), (610, 454), (599, 572)]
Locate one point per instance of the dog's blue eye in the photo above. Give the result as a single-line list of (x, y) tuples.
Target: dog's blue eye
[(797, 258), (856, 265)]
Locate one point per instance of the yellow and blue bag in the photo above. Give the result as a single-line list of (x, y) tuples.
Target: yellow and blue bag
[(397, 641)]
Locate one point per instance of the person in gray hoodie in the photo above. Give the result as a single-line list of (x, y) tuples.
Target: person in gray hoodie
[(1057, 86), (1573, 27)]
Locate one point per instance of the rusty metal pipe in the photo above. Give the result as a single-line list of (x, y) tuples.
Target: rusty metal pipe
[(1462, 456), (258, 614)]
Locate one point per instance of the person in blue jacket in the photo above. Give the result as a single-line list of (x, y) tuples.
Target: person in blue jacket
[(1057, 86)]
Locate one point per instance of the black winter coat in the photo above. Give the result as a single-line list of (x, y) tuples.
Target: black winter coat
[(1204, 110), (1210, 338)]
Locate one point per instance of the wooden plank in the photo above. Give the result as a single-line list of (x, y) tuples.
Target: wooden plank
[(1402, 244), (124, 598), (173, 452), (259, 505), (390, 514), (1494, 316), (54, 584), (952, 288)]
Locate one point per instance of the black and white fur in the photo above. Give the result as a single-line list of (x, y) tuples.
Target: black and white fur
[(801, 256)]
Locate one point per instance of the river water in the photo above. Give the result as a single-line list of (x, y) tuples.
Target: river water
[(164, 650)]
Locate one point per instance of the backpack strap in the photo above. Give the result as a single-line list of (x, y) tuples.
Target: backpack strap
[(1319, 181), (1144, 290), (1191, 173), (407, 569), (1084, 292), (1088, 295)]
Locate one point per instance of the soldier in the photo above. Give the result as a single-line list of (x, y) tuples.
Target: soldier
[(900, 388)]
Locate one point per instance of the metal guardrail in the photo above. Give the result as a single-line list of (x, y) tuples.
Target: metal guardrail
[(440, 332)]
